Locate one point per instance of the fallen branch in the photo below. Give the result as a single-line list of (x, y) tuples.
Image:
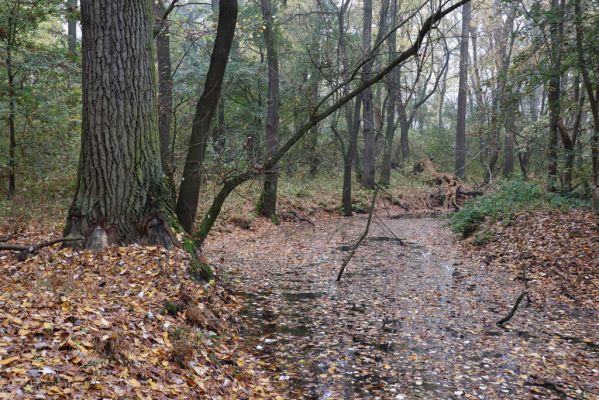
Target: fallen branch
[(513, 310), (27, 250), (299, 218), (361, 239), (549, 386)]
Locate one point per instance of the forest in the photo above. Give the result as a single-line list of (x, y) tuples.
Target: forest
[(299, 199)]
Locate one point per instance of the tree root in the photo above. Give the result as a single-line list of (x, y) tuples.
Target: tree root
[(25, 251)]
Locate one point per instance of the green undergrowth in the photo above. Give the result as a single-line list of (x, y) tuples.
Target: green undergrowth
[(501, 205)]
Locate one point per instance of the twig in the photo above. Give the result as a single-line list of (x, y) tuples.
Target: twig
[(361, 239), (26, 250), (513, 310)]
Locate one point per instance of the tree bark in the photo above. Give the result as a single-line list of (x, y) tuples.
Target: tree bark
[(189, 192), (367, 102), (121, 196), (268, 200), (460, 147)]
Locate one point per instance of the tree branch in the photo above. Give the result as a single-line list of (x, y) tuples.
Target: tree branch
[(27, 250)]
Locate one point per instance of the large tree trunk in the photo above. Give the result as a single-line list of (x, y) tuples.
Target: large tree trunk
[(121, 195), (460, 139), (367, 103), (165, 89), (268, 200), (189, 192), (72, 27)]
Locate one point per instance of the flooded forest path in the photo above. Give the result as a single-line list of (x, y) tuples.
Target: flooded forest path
[(411, 319)]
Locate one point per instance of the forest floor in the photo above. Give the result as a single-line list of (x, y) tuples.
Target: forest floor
[(412, 318), (416, 317)]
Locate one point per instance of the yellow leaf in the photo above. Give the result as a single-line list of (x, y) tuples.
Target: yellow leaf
[(7, 361), (240, 362), (153, 385), (20, 371), (135, 383)]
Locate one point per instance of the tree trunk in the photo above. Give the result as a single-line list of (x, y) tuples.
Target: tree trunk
[(440, 126), (165, 89), (593, 94), (404, 130), (12, 161), (353, 129), (392, 86), (268, 201), (121, 196), (72, 28), (508, 140), (460, 139), (553, 93), (569, 142), (189, 192), (368, 157)]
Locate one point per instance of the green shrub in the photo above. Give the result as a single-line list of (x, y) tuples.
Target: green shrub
[(510, 198)]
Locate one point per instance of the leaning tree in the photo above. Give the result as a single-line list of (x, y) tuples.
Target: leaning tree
[(121, 193)]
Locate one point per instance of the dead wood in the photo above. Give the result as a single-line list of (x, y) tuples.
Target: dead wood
[(505, 319), (292, 214), (25, 251), (447, 191), (361, 239)]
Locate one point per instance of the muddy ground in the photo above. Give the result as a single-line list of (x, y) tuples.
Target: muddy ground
[(411, 319)]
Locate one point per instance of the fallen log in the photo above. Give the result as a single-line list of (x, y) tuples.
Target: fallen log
[(25, 251)]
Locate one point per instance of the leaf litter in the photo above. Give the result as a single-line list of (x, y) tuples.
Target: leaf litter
[(412, 318), (125, 323)]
